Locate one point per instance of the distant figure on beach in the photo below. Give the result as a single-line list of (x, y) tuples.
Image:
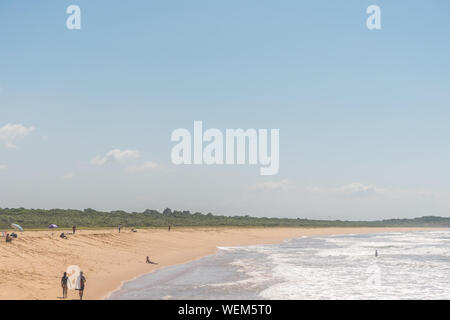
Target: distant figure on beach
[(376, 253), (82, 283), (169, 227), (74, 228), (64, 280), (63, 236), (148, 261), (119, 227), (8, 238)]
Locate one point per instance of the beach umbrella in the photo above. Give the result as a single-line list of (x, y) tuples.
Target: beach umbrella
[(16, 226), (53, 226)]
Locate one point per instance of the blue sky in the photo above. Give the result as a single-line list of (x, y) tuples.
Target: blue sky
[(363, 115)]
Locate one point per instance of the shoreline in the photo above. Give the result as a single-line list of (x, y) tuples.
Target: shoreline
[(389, 229), (33, 263), (108, 295)]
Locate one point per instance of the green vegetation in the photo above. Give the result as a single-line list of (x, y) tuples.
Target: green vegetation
[(89, 218)]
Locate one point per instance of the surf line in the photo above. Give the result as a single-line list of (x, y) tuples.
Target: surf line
[(235, 151)]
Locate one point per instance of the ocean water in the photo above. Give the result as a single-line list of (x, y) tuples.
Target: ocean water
[(414, 265)]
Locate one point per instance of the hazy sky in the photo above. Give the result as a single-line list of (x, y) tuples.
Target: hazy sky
[(86, 115)]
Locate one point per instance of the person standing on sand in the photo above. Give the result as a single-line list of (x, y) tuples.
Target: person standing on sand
[(119, 227), (82, 283), (169, 227), (64, 280), (74, 228)]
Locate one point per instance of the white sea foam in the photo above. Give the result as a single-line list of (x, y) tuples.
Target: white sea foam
[(409, 266)]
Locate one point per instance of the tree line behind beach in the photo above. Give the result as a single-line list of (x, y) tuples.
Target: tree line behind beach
[(90, 218)]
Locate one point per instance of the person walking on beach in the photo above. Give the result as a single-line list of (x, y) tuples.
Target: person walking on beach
[(119, 227), (74, 228), (169, 227), (82, 283), (64, 280)]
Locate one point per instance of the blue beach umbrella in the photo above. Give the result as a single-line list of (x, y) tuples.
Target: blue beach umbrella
[(53, 226), (16, 226)]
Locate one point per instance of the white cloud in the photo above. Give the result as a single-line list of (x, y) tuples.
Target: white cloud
[(351, 190), (148, 165), (357, 189), (116, 155), (271, 185), (68, 176), (11, 132)]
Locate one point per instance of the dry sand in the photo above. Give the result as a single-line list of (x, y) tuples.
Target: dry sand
[(31, 266)]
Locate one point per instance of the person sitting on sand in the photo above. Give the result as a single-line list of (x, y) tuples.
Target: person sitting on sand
[(8, 238), (148, 261), (82, 283), (64, 280), (63, 236)]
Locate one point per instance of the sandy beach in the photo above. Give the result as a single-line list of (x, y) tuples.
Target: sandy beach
[(33, 264)]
